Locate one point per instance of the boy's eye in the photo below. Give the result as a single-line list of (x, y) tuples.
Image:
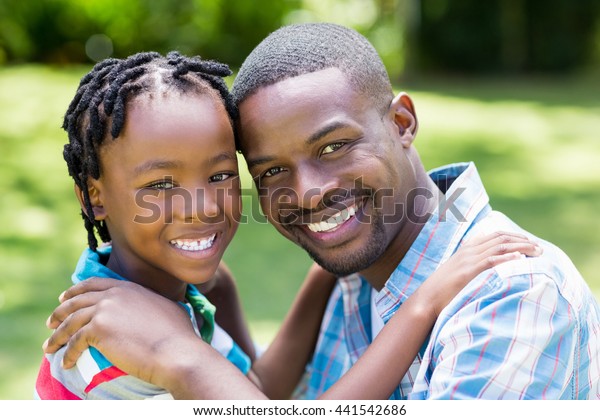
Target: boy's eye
[(220, 177), (162, 185), (272, 171), (331, 148)]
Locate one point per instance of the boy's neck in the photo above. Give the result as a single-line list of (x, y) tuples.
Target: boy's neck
[(173, 290)]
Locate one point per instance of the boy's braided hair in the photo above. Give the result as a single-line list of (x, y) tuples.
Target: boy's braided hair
[(99, 109)]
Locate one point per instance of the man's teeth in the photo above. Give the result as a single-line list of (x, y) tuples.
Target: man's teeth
[(194, 245), (334, 221)]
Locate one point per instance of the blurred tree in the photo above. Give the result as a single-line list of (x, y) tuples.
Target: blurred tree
[(411, 35), (58, 30), (506, 35)]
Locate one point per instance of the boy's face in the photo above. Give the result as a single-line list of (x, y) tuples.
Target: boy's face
[(332, 171), (169, 191)]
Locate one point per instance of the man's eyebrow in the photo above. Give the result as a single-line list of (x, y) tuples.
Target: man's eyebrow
[(156, 164), (259, 161), (323, 131)]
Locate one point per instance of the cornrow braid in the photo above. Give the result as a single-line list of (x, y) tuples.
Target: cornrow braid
[(100, 104)]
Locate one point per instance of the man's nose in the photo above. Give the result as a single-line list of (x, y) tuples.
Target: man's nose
[(311, 184)]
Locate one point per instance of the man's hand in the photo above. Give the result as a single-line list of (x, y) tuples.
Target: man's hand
[(147, 336), (135, 328)]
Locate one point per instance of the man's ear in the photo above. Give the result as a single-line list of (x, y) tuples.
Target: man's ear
[(94, 192), (405, 118)]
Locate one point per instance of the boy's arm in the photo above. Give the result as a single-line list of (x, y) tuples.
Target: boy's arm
[(380, 369), (222, 292), (170, 355), (280, 368), (162, 348)]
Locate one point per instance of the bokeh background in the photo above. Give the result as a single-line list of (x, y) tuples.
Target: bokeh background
[(513, 85)]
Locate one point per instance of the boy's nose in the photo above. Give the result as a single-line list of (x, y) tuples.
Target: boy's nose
[(205, 205)]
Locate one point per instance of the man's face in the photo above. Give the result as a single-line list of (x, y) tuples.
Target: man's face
[(331, 171)]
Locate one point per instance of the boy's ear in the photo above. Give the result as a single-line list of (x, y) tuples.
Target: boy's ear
[(405, 118), (95, 199)]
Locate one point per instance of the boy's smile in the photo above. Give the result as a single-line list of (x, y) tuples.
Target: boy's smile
[(169, 191)]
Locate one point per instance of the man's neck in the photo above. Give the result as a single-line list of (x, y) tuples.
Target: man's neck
[(411, 225)]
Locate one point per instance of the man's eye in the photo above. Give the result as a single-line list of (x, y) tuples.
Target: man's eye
[(331, 148), (273, 171), (220, 177)]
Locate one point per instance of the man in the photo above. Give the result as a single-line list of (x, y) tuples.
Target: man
[(331, 151)]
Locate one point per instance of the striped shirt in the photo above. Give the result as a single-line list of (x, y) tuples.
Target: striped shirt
[(526, 329), (94, 377)]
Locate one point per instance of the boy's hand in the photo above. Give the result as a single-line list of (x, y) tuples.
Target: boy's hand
[(135, 328), (472, 258)]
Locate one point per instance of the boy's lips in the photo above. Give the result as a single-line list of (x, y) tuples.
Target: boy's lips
[(194, 244)]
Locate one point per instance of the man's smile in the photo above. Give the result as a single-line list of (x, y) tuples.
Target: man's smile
[(333, 222)]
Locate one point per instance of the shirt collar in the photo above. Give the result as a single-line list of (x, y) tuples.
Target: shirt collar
[(464, 201)]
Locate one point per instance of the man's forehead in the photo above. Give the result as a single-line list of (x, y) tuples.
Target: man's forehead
[(302, 85)]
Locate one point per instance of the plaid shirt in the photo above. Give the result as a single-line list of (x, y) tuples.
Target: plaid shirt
[(528, 328)]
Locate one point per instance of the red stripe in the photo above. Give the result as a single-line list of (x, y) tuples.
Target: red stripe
[(482, 351), (431, 235), (328, 366), (355, 311), (105, 375), (556, 360), (48, 388)]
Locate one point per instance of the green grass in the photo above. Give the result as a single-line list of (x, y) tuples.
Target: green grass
[(535, 143)]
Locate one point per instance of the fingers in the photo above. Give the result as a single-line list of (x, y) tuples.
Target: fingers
[(499, 237), (500, 247), (93, 284), (75, 347), (70, 306), (71, 325), (494, 260)]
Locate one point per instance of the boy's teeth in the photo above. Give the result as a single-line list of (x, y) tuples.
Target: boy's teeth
[(334, 221), (194, 245)]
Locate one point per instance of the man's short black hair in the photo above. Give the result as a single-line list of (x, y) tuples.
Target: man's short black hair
[(299, 49)]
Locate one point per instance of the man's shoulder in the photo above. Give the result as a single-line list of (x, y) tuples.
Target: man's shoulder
[(553, 267)]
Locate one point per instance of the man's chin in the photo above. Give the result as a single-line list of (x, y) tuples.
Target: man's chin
[(346, 259), (344, 265)]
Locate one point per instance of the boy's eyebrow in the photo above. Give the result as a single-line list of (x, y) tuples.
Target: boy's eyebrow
[(156, 164), (221, 157), (173, 164)]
